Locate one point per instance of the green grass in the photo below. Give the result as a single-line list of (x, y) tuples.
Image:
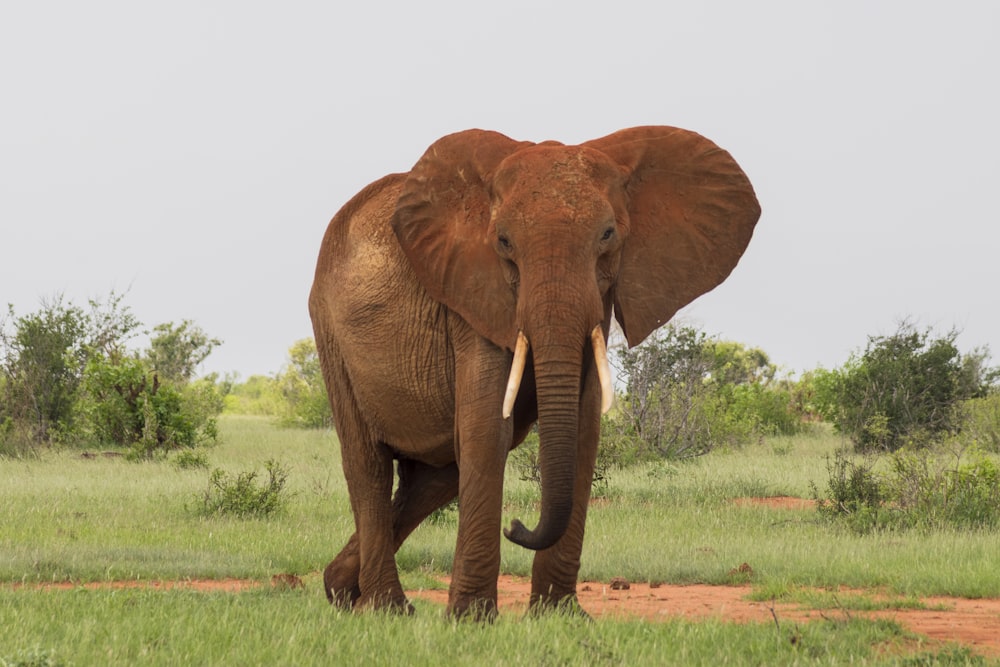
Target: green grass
[(68, 518), (299, 628)]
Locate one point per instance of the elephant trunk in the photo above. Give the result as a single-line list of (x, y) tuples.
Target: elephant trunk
[(558, 367)]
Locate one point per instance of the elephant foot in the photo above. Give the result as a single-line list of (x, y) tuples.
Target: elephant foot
[(340, 581), (568, 606), (480, 610), (389, 604)]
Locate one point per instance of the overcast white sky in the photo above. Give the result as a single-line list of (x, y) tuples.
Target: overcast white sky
[(192, 153)]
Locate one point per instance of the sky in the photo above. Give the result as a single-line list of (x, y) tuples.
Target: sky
[(190, 154)]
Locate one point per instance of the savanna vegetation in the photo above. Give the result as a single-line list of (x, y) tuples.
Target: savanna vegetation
[(899, 446)]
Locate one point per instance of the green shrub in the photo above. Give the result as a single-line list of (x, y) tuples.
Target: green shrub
[(930, 493), (126, 404), (259, 395), (189, 459), (301, 383), (67, 377), (240, 495), (687, 393), (855, 493), (919, 489), (981, 422), (905, 388)]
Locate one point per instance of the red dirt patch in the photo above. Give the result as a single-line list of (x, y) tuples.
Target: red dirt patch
[(974, 623)]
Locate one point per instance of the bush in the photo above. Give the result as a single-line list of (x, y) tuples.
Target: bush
[(981, 422), (259, 395), (66, 376), (240, 495), (43, 355), (920, 489), (189, 460), (126, 404), (904, 388), (855, 493), (301, 383), (687, 393)]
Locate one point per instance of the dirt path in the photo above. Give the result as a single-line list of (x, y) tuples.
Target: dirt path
[(974, 623)]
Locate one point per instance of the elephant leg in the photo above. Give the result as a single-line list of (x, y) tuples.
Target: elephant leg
[(554, 570), (483, 439), (422, 489), (340, 578), (369, 483)]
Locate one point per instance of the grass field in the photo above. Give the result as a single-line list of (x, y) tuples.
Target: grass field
[(64, 517)]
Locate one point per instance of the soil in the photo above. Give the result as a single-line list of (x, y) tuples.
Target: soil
[(969, 622), (972, 623)]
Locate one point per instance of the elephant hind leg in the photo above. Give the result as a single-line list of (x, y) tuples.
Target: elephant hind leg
[(422, 490), (340, 578)]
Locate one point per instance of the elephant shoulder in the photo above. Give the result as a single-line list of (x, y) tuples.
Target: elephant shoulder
[(360, 223)]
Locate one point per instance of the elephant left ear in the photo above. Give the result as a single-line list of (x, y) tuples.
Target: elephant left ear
[(442, 221), (691, 213)]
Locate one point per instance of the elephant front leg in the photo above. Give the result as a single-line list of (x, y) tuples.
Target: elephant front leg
[(555, 570), (483, 439)]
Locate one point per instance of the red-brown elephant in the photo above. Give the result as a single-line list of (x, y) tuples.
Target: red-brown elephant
[(456, 305)]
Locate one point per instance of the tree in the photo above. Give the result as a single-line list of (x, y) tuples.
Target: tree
[(43, 357), (905, 387), (302, 385), (175, 351)]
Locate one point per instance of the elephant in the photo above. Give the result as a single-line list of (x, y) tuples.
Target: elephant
[(457, 305)]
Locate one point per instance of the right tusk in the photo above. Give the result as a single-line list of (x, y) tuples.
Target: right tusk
[(516, 373), (603, 368)]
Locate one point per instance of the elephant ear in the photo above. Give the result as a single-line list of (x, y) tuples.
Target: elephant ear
[(441, 221), (691, 213)]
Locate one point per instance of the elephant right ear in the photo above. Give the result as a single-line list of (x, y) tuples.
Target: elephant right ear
[(442, 221)]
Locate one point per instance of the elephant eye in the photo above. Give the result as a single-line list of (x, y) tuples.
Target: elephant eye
[(608, 233), (504, 242)]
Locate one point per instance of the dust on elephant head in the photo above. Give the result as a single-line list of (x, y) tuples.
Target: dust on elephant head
[(458, 304)]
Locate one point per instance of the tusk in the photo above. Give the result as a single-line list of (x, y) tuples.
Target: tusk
[(516, 372), (603, 369)]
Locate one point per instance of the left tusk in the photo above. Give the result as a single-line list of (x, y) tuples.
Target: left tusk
[(603, 369), (516, 372)]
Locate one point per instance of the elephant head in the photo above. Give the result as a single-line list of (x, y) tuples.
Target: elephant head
[(536, 244)]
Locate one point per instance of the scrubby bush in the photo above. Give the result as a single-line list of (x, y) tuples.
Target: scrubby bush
[(301, 384), (68, 377), (686, 393), (921, 488), (241, 496), (126, 404), (189, 459), (907, 387), (981, 422), (260, 395)]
